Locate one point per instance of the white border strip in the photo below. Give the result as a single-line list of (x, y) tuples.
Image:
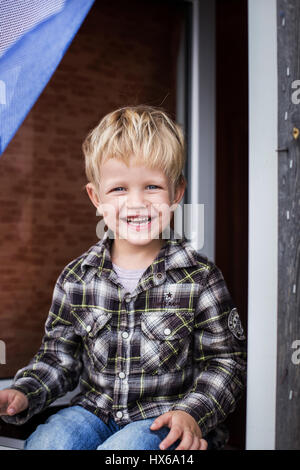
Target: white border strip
[(263, 231)]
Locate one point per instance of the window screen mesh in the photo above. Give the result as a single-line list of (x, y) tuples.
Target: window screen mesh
[(34, 36)]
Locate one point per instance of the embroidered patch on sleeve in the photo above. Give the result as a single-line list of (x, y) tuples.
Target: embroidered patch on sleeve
[(235, 325)]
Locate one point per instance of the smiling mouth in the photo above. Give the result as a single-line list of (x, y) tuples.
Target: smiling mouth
[(138, 222)]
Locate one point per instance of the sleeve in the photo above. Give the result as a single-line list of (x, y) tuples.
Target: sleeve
[(219, 355), (56, 367)]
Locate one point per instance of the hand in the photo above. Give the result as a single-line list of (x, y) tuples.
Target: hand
[(182, 425), (12, 402)]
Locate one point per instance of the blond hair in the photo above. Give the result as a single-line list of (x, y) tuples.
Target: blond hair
[(143, 132)]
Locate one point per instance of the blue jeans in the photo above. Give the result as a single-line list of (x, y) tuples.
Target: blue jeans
[(76, 428)]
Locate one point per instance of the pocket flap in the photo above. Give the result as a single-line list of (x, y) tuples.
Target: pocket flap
[(89, 320), (167, 326)]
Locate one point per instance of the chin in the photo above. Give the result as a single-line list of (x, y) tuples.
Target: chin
[(136, 240)]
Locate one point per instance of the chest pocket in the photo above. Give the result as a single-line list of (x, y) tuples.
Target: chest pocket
[(165, 341), (94, 328)]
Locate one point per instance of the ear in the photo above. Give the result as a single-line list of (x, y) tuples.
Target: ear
[(94, 196), (179, 191)]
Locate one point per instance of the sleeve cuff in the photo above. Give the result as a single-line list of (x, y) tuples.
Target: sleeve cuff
[(36, 400), (200, 418)]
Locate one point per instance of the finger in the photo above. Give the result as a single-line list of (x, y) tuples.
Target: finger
[(3, 397), (3, 406), (186, 441), (162, 420), (196, 443), (173, 435), (16, 406), (203, 444)]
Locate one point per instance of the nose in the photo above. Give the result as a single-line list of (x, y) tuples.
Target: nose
[(135, 199)]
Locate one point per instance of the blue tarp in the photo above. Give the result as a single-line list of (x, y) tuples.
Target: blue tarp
[(34, 36)]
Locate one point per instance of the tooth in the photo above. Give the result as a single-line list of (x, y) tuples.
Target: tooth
[(137, 220)]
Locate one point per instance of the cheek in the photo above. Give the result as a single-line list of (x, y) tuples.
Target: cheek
[(165, 215), (110, 209), (112, 215), (163, 207), (162, 199)]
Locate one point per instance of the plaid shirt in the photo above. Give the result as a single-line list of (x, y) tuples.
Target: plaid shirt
[(174, 343)]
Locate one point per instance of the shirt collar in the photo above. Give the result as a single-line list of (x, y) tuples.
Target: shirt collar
[(175, 253)]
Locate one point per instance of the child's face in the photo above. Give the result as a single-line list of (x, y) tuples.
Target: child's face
[(138, 192)]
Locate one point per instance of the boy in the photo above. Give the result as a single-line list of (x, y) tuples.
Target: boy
[(146, 324)]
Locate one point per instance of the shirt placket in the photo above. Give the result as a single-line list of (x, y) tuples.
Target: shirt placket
[(126, 324), (125, 330)]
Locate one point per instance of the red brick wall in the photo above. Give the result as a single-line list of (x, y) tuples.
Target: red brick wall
[(124, 53)]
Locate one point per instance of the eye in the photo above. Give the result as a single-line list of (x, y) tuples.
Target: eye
[(152, 186), (118, 189)]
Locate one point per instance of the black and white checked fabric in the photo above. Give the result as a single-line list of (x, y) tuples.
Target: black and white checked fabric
[(168, 345)]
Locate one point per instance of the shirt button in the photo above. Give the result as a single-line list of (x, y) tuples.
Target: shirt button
[(167, 331), (127, 299), (122, 375), (159, 275), (88, 328), (119, 414), (125, 334)]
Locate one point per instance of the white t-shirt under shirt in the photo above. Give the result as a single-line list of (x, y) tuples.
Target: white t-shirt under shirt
[(129, 278)]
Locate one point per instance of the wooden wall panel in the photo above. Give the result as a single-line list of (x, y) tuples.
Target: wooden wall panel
[(288, 343)]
